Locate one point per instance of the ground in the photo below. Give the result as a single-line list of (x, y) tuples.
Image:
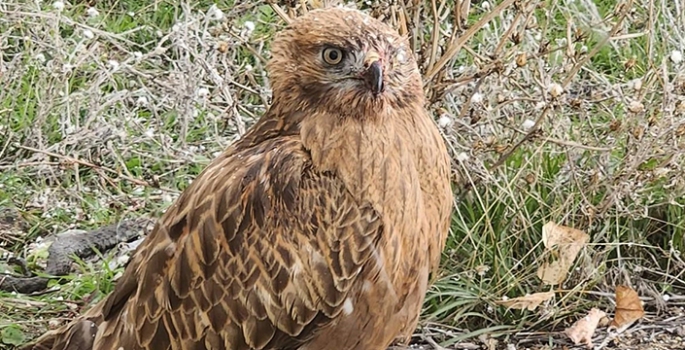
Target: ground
[(565, 111)]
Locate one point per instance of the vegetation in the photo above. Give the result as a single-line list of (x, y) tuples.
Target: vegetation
[(568, 111)]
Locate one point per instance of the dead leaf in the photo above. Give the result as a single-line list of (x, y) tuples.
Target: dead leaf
[(583, 329), (604, 322), (564, 243), (553, 272), (628, 308), (558, 235), (521, 59), (530, 301), (490, 342)]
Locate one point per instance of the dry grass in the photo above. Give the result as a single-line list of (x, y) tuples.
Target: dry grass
[(558, 110)]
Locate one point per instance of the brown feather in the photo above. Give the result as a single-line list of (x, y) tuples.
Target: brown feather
[(317, 230)]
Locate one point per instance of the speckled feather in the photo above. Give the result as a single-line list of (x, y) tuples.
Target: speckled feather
[(316, 230)]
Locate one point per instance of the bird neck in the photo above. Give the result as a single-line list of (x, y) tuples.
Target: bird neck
[(362, 152)]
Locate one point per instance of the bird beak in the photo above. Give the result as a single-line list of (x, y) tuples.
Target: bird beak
[(373, 75)]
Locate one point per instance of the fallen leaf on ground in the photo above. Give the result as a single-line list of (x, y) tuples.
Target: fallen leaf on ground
[(583, 329), (628, 308), (553, 272), (530, 301), (564, 243)]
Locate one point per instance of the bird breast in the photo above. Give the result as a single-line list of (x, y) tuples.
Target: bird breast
[(377, 162)]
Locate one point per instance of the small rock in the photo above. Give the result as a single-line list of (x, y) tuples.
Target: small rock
[(527, 124), (88, 34)]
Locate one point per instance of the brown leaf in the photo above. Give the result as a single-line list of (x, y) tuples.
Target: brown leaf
[(557, 235), (521, 59), (530, 301), (553, 272), (628, 308), (583, 329), (564, 243)]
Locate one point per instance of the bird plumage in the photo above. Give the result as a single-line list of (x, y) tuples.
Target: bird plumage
[(318, 229)]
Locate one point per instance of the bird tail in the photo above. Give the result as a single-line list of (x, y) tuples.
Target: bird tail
[(78, 334)]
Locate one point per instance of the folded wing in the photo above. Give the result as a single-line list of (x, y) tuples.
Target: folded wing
[(259, 251)]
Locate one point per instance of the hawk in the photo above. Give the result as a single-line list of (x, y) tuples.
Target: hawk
[(318, 229)]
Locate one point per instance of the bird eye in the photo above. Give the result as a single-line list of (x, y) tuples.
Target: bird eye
[(332, 55)]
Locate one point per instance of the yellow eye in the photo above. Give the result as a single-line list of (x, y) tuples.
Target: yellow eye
[(332, 55)]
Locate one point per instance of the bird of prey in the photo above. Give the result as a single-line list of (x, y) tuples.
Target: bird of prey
[(318, 229)]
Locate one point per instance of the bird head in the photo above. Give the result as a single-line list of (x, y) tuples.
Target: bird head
[(344, 61)]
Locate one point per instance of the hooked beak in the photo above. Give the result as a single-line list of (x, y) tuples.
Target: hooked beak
[(373, 74)]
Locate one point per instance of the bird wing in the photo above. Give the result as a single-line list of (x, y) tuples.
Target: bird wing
[(259, 250)]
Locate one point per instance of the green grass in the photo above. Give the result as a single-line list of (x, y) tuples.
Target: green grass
[(114, 101)]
